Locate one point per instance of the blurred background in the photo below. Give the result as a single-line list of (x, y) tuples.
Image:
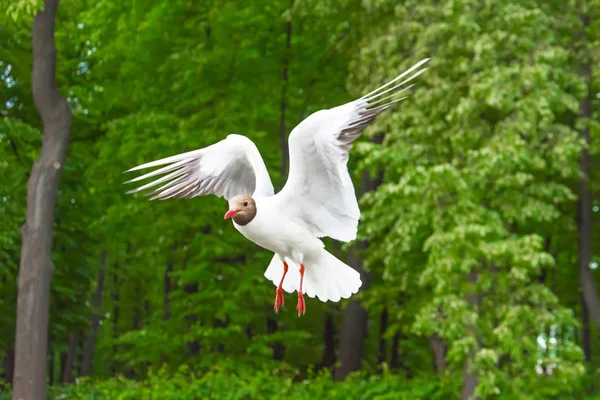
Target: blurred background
[(479, 196)]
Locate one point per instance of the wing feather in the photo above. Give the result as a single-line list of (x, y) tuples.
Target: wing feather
[(227, 168), (319, 192)]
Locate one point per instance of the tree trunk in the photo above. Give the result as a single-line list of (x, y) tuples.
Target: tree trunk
[(194, 345), (9, 365), (51, 354), (278, 347), (167, 292), (272, 324), (35, 271), (115, 314), (329, 342), (66, 375), (354, 328), (284, 85), (354, 325), (383, 325), (438, 348), (590, 293), (469, 383), (396, 361), (470, 380), (585, 332), (90, 342)]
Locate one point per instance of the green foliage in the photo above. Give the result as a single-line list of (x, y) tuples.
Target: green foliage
[(227, 381), (472, 233)]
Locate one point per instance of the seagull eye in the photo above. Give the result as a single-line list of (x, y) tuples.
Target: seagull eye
[(245, 204)]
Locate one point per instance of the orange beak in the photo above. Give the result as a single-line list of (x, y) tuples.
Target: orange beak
[(230, 213)]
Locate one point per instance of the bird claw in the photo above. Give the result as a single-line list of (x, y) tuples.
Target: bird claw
[(279, 300), (301, 307)]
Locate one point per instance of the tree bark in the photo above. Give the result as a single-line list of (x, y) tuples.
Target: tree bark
[(66, 375), (90, 342), (589, 290), (470, 382), (35, 271)]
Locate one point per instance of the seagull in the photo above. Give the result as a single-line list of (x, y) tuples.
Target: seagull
[(318, 199)]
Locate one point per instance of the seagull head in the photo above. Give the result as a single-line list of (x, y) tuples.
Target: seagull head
[(242, 209)]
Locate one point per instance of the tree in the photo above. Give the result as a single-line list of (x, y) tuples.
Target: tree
[(35, 271), (480, 167)]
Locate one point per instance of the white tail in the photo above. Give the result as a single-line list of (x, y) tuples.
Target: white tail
[(325, 277)]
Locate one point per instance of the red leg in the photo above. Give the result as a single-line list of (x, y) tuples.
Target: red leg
[(301, 304), (279, 292)]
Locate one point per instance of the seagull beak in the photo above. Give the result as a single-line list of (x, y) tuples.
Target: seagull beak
[(230, 213)]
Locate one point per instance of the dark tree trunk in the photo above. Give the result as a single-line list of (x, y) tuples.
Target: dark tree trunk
[(272, 324), (66, 375), (354, 325), (589, 290), (115, 298), (329, 342), (9, 365), (438, 348), (354, 328), (51, 362), (35, 271), (395, 361), (284, 86), (167, 292), (395, 352), (585, 332), (383, 325), (137, 312), (194, 345), (219, 323), (470, 379), (90, 341), (278, 347)]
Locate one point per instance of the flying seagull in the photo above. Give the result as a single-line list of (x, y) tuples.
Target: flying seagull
[(318, 199)]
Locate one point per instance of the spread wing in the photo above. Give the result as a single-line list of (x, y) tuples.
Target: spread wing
[(319, 185), (227, 168)]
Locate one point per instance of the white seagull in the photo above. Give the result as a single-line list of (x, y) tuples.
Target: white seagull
[(318, 199)]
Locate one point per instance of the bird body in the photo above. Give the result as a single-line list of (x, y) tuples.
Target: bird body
[(318, 199), (283, 236)]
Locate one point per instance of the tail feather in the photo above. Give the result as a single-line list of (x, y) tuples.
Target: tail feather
[(325, 277)]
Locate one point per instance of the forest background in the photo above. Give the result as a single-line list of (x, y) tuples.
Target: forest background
[(479, 195)]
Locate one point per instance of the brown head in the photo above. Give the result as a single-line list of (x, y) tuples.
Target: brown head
[(242, 209)]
